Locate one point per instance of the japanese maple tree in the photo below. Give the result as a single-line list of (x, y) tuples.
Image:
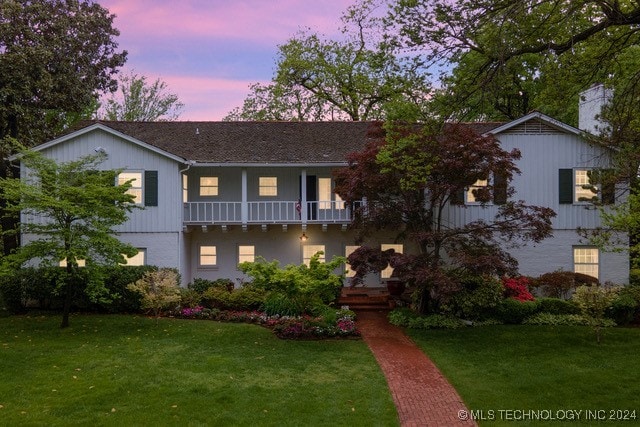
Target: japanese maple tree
[(411, 176)]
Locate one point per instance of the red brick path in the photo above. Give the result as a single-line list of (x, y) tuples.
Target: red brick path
[(423, 397)]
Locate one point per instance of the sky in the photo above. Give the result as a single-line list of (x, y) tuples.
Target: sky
[(210, 51)]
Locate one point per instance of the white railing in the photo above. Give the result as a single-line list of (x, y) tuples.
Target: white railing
[(281, 212)]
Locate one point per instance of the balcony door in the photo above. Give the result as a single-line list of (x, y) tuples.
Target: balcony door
[(311, 196)]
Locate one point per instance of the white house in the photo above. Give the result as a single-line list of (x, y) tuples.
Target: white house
[(219, 193)]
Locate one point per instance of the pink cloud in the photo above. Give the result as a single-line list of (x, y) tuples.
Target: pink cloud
[(210, 51)]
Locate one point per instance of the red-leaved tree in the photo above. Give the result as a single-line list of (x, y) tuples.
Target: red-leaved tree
[(411, 177)]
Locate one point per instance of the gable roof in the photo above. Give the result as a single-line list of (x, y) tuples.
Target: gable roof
[(538, 117), (99, 126)]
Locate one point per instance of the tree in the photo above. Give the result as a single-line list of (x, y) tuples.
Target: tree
[(69, 212), (503, 58), (356, 78), (410, 175), (141, 101), (275, 102), (55, 56)]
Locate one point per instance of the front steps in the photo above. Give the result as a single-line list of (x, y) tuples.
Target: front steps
[(365, 298)]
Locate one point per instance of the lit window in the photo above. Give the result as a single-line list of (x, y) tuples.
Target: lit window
[(208, 185), (137, 259), (208, 256), (246, 253), (586, 261), (310, 250), (339, 202), (268, 186), (81, 262), (324, 193), (185, 188), (348, 250), (478, 185), (581, 179), (136, 184), (386, 273)]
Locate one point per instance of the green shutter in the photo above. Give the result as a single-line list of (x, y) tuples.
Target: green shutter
[(151, 188), (565, 182), (499, 189)]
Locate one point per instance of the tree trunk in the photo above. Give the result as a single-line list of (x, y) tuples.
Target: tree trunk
[(66, 307)]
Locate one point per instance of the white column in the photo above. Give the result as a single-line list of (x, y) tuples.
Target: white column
[(303, 196), (244, 206)]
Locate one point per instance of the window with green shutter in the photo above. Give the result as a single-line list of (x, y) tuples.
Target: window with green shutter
[(565, 186)]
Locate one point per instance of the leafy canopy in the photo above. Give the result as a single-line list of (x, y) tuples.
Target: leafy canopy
[(55, 56), (69, 211)]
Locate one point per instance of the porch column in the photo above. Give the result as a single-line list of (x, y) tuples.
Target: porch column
[(303, 197), (244, 206)]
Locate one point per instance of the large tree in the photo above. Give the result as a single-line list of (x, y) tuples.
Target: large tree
[(70, 210), (139, 100), (411, 175), (55, 57), (503, 58), (357, 77)]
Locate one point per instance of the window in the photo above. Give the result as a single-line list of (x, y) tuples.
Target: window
[(268, 186), (81, 263), (325, 195), (208, 256), (208, 185), (572, 182), (386, 273), (586, 261), (136, 184), (310, 250), (138, 259), (478, 185), (246, 253), (147, 180), (348, 250), (185, 188), (581, 180)]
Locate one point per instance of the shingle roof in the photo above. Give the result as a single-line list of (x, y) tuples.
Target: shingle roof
[(256, 142), (251, 142)]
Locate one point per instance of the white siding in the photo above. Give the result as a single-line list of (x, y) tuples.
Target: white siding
[(167, 216)]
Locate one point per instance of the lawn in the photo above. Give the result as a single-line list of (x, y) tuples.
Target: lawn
[(127, 370), (525, 371)]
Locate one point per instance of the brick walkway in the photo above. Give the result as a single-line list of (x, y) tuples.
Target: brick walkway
[(423, 397)]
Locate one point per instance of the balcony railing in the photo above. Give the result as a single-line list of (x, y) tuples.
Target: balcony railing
[(275, 212)]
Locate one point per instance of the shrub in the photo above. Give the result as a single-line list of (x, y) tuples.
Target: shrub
[(477, 298), (408, 318), (623, 309), (190, 298), (202, 285), (514, 312), (159, 290), (557, 306), (560, 284), (247, 297), (594, 302), (517, 288)]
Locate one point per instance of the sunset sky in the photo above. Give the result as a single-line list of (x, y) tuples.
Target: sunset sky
[(209, 51)]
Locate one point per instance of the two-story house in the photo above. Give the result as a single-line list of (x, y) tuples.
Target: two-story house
[(219, 193)]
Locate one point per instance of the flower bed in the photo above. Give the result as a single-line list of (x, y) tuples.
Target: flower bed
[(285, 327)]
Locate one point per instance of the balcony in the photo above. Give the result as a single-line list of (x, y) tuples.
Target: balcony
[(268, 212)]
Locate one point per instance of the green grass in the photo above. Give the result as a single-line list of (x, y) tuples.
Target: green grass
[(126, 370), (536, 368)]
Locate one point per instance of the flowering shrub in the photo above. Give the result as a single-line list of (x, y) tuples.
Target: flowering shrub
[(517, 288), (285, 327)]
